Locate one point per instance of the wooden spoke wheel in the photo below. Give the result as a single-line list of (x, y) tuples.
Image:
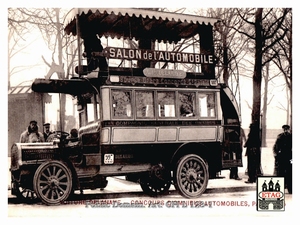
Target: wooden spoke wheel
[(26, 195), (191, 176), (52, 182), (157, 182)]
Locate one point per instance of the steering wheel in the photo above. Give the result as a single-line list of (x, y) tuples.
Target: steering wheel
[(57, 135)]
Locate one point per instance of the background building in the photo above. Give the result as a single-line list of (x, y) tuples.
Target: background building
[(24, 105)]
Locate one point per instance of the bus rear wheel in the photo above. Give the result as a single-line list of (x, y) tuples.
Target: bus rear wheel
[(191, 176), (52, 182), (157, 182)]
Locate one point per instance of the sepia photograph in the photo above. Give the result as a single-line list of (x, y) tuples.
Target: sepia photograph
[(149, 114)]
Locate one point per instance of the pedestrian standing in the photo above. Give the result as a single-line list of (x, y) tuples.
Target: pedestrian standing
[(253, 153), (47, 131), (282, 151), (32, 134)]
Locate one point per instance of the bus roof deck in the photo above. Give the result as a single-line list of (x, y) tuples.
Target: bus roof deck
[(190, 36)]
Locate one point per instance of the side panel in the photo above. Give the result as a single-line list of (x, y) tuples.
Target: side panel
[(197, 133), (133, 135), (136, 135), (167, 134)]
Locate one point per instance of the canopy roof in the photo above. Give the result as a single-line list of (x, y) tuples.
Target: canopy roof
[(135, 23), (73, 86)]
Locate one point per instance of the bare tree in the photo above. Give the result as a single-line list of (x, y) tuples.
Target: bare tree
[(48, 21), (265, 34), (18, 31), (230, 48), (267, 78), (283, 58), (230, 45), (275, 32)]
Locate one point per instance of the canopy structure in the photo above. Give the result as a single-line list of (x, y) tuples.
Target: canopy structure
[(73, 86), (135, 23)]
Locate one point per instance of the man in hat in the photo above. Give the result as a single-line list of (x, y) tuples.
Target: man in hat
[(32, 134), (47, 131), (283, 151)]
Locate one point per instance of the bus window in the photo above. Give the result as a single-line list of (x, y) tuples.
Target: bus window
[(81, 118), (121, 104), (187, 104), (97, 107), (144, 104), (90, 112), (166, 104), (92, 109), (207, 104)]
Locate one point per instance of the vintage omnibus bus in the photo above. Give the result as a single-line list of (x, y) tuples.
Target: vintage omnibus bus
[(150, 108)]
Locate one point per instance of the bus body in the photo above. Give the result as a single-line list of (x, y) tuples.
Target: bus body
[(154, 124)]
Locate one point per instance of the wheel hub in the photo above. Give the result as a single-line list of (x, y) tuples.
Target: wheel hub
[(158, 181), (191, 176), (53, 182), (157, 173)]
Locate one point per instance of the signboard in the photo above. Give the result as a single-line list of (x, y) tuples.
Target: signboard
[(164, 56), (163, 73), (161, 81)]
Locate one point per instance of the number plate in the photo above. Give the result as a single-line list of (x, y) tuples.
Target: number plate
[(108, 158)]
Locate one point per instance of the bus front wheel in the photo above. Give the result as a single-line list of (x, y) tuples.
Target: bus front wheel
[(52, 182), (191, 176)]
